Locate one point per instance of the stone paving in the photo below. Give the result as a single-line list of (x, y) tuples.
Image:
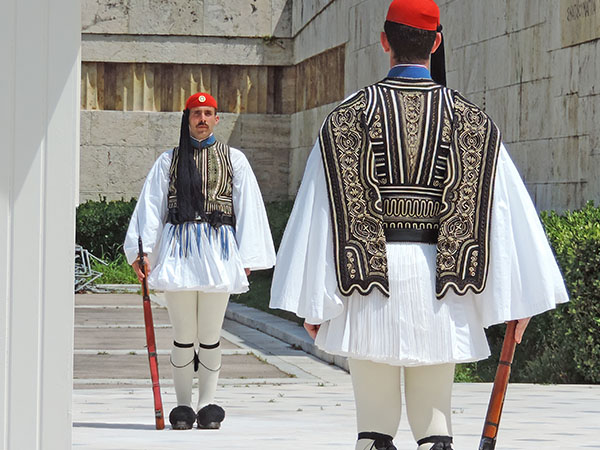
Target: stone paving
[(280, 396)]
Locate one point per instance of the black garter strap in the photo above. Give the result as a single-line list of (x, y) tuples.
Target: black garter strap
[(194, 360), (211, 346), (381, 441), (206, 347), (439, 442)]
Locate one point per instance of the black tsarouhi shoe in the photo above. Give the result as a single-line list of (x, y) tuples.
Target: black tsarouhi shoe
[(210, 417), (380, 441), (182, 418), (439, 442)]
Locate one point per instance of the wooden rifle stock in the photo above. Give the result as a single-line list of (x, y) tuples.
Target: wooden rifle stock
[(492, 418), (151, 343)]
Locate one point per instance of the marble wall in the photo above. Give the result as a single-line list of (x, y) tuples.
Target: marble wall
[(532, 65), (519, 61)]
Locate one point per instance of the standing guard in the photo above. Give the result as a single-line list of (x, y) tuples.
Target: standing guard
[(411, 233), (204, 228)]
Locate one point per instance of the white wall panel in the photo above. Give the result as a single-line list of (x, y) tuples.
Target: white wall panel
[(39, 115)]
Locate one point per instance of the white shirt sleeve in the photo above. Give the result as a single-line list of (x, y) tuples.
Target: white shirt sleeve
[(150, 212), (523, 276), (252, 230), (304, 280)]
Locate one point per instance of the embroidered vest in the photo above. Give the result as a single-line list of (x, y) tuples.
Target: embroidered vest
[(214, 164), (408, 159)]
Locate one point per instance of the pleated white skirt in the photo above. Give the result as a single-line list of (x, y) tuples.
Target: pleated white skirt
[(411, 327), (197, 257)]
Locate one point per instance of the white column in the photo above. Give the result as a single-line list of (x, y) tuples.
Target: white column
[(39, 122)]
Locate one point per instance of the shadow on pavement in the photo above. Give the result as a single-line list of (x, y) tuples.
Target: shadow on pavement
[(118, 426)]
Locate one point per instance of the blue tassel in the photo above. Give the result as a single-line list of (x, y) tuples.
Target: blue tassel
[(178, 239), (199, 238), (188, 239), (180, 235)]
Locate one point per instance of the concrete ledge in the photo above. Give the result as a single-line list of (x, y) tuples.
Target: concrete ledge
[(283, 329), (187, 50)]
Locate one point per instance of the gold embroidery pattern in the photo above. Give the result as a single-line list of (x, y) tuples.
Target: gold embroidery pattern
[(375, 131), (446, 130), (411, 208), (359, 242), (214, 163), (412, 106), (463, 241), (219, 175)]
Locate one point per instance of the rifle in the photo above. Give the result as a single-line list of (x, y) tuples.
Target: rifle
[(151, 342), (492, 418)]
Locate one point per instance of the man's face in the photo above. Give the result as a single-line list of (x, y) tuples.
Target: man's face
[(202, 121)]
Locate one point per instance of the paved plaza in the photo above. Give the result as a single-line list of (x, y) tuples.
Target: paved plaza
[(277, 395)]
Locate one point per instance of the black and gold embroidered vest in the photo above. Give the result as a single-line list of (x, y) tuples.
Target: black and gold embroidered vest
[(409, 160), (214, 164)]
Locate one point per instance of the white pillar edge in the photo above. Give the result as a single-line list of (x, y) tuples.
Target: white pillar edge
[(39, 116)]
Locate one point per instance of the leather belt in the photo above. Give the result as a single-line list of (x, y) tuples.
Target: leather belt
[(411, 235)]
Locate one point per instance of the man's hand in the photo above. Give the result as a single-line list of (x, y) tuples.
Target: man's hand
[(136, 268), (520, 329), (311, 329), (248, 271)]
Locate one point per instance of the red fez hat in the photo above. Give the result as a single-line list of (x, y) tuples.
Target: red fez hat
[(200, 99), (421, 14)]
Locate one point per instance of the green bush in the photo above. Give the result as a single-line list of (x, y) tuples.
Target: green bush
[(574, 338), (101, 226), (278, 214), (560, 346), (118, 271), (563, 345), (260, 282)]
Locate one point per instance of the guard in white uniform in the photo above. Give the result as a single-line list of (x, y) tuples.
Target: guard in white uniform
[(411, 232), (204, 228)]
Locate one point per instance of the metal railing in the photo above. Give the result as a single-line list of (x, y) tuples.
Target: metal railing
[(84, 274)]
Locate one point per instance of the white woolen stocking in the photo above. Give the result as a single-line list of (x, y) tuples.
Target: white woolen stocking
[(182, 365), (428, 400), (378, 398), (182, 306), (208, 375), (211, 312)]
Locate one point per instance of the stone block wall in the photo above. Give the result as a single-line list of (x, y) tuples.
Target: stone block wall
[(518, 61), (528, 63), (144, 56), (316, 26), (241, 32), (533, 65), (237, 18), (119, 148)]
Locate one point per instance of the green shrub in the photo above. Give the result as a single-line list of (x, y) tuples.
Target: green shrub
[(560, 346), (101, 226), (574, 338), (466, 373), (278, 214), (260, 282), (117, 271), (563, 345)]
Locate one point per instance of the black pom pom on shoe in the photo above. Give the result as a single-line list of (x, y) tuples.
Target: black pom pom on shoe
[(210, 417), (182, 418)]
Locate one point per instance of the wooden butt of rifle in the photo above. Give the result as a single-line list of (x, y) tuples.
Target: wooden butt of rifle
[(487, 443), (160, 421)]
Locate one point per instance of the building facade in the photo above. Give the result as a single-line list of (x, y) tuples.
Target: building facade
[(277, 67)]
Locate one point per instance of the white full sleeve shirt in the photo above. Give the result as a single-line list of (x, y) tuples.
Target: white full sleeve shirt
[(196, 256), (413, 327)]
